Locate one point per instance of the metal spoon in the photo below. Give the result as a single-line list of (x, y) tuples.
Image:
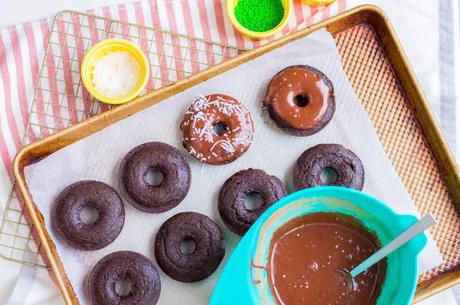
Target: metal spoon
[(413, 231)]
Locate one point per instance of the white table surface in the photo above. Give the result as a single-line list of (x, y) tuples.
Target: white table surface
[(419, 38)]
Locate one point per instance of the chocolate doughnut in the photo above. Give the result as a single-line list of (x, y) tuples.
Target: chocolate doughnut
[(300, 100), (156, 157), (232, 208), (347, 167), (127, 266), (70, 227), (197, 263), (217, 129)]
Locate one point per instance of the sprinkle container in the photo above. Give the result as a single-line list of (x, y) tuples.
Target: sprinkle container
[(101, 49), (231, 6)]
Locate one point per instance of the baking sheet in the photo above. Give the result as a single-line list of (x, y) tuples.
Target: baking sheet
[(98, 157)]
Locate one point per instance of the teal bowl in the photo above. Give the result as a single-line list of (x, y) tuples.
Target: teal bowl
[(244, 278)]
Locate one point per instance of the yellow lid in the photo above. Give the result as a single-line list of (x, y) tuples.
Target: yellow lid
[(318, 2), (231, 4), (101, 49)]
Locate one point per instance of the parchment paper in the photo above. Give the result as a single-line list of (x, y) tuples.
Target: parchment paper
[(98, 157)]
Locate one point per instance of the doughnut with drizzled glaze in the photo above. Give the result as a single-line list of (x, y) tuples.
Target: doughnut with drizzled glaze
[(217, 129)]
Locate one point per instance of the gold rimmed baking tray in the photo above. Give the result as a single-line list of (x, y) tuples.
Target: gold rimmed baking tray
[(386, 85)]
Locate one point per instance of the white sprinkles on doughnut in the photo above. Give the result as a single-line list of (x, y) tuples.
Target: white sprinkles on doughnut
[(204, 142)]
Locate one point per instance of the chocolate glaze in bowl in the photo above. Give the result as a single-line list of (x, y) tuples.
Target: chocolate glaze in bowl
[(307, 254), (248, 265)]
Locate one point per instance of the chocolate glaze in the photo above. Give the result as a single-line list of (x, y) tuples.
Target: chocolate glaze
[(200, 137), (300, 99), (307, 253)]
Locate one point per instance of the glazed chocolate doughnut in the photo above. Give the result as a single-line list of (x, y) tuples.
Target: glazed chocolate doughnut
[(159, 157), (70, 227), (232, 208), (347, 166), (300, 100), (217, 129), (197, 263), (124, 265)]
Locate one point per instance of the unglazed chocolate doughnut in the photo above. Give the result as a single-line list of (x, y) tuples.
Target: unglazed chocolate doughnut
[(124, 265), (300, 100), (159, 157), (70, 227), (345, 163), (198, 263), (217, 129), (232, 207)]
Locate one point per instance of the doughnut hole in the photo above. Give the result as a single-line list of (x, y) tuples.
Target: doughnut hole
[(329, 176), (89, 215), (253, 201), (153, 177), (220, 128), (123, 286), (301, 100), (187, 246)]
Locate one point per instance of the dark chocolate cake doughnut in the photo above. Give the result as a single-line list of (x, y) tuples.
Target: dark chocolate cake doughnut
[(197, 263), (232, 207), (162, 158), (345, 163), (129, 266), (67, 221)]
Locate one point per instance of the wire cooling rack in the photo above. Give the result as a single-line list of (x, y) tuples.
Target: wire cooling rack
[(60, 100)]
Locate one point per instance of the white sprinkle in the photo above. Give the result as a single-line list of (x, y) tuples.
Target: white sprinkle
[(116, 74)]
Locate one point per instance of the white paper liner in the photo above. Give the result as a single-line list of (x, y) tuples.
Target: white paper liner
[(98, 157)]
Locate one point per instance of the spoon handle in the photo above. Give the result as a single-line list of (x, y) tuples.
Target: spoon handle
[(424, 223)]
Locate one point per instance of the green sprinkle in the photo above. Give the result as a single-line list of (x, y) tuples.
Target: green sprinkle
[(259, 15)]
